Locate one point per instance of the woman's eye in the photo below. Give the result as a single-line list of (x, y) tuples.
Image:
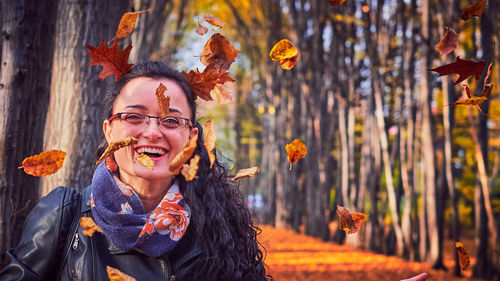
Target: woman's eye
[(133, 117), (170, 121)]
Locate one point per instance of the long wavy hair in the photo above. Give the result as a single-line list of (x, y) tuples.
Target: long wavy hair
[(222, 222)]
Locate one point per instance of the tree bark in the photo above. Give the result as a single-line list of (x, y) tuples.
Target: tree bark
[(28, 29), (75, 115)]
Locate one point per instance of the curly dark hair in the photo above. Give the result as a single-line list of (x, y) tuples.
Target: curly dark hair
[(222, 223)]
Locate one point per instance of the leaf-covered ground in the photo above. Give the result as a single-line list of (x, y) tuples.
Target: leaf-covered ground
[(294, 257)]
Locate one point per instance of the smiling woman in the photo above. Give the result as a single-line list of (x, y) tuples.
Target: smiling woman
[(166, 227)]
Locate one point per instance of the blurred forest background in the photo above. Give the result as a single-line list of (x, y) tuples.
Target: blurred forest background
[(379, 137)]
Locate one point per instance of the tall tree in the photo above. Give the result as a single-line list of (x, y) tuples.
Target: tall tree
[(75, 114), (28, 29)]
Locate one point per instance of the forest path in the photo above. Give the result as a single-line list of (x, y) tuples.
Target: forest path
[(294, 257)]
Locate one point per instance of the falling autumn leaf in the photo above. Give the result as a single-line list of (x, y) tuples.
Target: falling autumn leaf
[(475, 9), (113, 60), (464, 68), (201, 30), (448, 43), (163, 102), (285, 53), (350, 222), (116, 275), (145, 161), (43, 164), (189, 171), (115, 145), (296, 150), (183, 156), (218, 53), (210, 138), (211, 19), (222, 95), (463, 257), (89, 226), (127, 23), (203, 83), (246, 173), (334, 3)]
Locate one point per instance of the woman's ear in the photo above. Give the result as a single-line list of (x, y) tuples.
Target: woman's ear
[(193, 132), (106, 128)]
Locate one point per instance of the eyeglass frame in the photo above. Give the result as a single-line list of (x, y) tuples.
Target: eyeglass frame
[(118, 115)]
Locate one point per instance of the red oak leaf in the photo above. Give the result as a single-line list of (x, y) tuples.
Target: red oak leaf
[(464, 68), (202, 83), (113, 60)]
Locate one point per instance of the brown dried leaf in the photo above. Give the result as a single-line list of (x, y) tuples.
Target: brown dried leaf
[(210, 138), (295, 150), (115, 145), (470, 101), (116, 275), (463, 257), (222, 94), (350, 222), (113, 60), (163, 102), (89, 226), (202, 83), (145, 161), (246, 173), (183, 156), (475, 9), (189, 171), (488, 73), (334, 3), (43, 164), (464, 68), (127, 23), (285, 53), (289, 63), (448, 43), (211, 19), (218, 53)]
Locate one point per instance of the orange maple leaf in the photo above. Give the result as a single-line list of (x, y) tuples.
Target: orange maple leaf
[(127, 23), (113, 60), (89, 226), (448, 43), (463, 257), (246, 173), (475, 9), (211, 19), (218, 53), (286, 53), (116, 275), (203, 83), (183, 156), (115, 145), (296, 150), (43, 164), (464, 68), (350, 222)]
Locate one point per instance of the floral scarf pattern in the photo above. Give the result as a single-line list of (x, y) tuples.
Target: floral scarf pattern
[(118, 210)]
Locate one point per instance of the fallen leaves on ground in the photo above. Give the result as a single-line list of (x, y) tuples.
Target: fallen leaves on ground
[(89, 226), (296, 257), (296, 150), (43, 164), (246, 173), (113, 60), (183, 156), (115, 145), (464, 68)]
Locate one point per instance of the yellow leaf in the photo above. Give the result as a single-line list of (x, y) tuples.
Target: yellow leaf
[(146, 161), (285, 53), (127, 23), (210, 138), (89, 226), (189, 171), (115, 145), (296, 150), (183, 156), (246, 173), (43, 164)]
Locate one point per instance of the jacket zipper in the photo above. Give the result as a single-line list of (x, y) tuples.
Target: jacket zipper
[(75, 243)]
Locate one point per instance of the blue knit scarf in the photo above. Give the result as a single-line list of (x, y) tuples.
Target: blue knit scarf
[(118, 210)]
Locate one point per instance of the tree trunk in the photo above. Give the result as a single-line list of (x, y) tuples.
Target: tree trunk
[(76, 111), (28, 29)]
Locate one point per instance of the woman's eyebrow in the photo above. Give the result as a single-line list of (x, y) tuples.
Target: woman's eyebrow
[(170, 109), (138, 106)]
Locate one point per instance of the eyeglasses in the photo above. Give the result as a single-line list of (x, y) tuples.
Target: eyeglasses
[(142, 120)]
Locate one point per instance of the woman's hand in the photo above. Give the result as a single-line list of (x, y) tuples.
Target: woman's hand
[(420, 277)]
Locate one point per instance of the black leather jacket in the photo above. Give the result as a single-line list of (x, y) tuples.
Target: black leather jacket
[(49, 251)]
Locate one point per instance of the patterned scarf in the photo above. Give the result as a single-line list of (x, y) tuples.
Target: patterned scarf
[(118, 210)]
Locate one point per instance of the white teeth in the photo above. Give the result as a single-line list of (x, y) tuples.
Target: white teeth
[(151, 150)]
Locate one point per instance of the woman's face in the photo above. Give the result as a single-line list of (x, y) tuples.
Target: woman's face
[(160, 142)]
